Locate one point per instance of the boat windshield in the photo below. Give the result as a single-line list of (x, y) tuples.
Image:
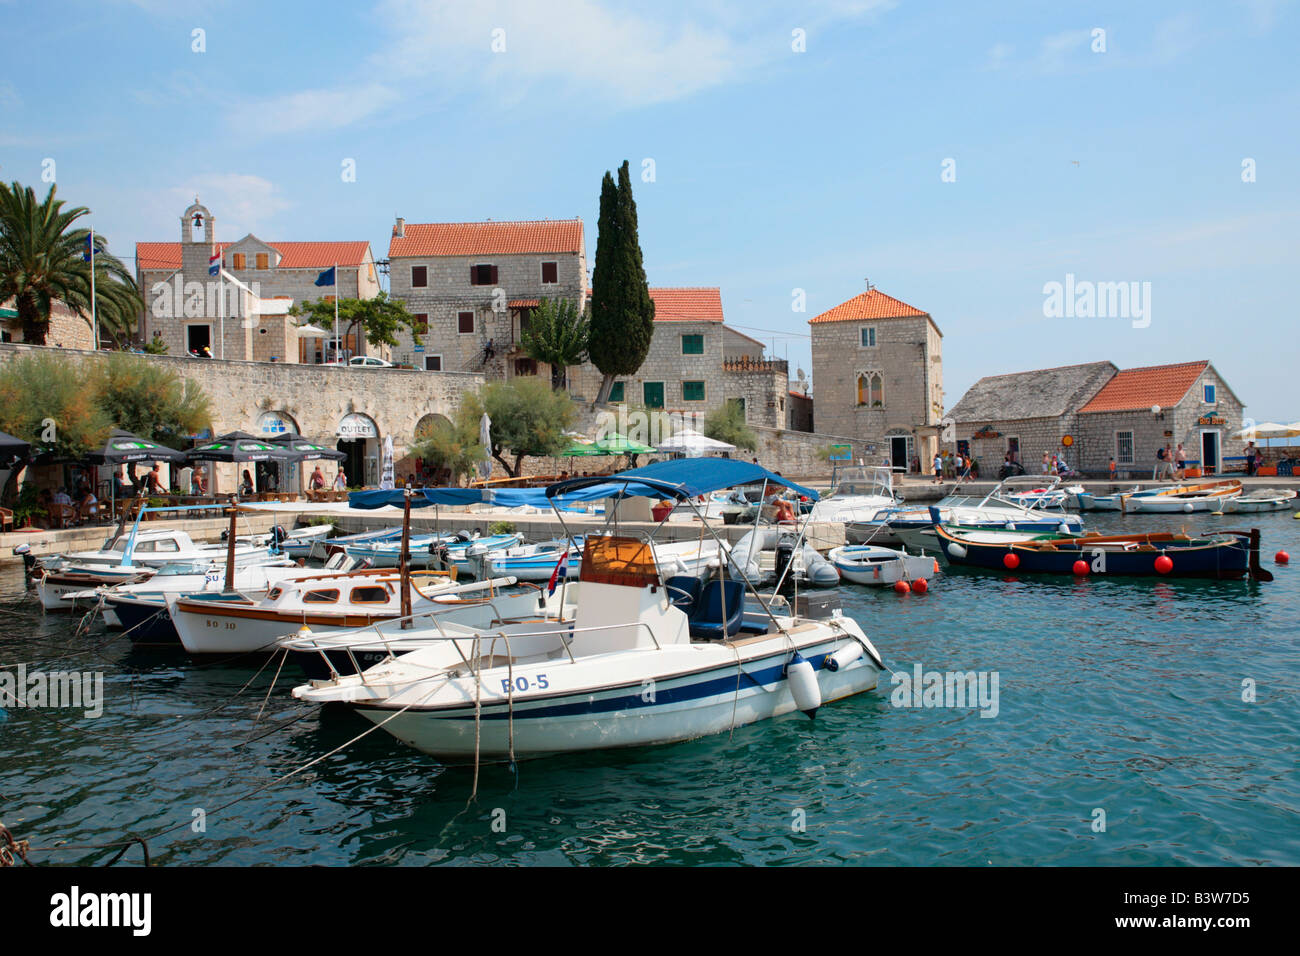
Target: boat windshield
[(612, 559), (860, 480)]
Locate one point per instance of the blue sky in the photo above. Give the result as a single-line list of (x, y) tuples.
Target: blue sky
[(774, 170)]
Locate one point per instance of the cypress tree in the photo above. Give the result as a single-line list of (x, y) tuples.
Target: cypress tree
[(622, 312)]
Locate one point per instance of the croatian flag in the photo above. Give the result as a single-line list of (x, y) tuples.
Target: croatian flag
[(89, 254), (326, 277), (559, 572), (214, 265)]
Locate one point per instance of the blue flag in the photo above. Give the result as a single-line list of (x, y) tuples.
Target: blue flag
[(326, 277), (89, 254)]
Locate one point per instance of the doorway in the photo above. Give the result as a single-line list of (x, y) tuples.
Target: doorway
[(898, 452), (1209, 453), (354, 466), (198, 338)]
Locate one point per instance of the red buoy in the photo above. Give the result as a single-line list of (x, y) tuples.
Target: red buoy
[(1164, 564), (1282, 558), (901, 587), (919, 586), (1081, 568), (1011, 560)]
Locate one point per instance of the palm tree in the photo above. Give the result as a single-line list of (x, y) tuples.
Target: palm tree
[(41, 262), (557, 335)]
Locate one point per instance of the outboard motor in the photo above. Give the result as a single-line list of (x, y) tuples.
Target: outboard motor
[(466, 535), (29, 559), (278, 537), (784, 555)]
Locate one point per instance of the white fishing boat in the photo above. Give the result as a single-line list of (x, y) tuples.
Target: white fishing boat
[(1260, 499), (1047, 498), (1084, 500), (858, 494), (882, 567), (642, 662), (997, 509), (1206, 496)]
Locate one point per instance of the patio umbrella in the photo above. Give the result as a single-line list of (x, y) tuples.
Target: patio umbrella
[(123, 447), (242, 447), (613, 444), (1262, 431), (692, 444), (12, 450), (309, 450)]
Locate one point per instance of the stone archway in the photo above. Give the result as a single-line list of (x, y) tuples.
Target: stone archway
[(426, 428), (359, 439)]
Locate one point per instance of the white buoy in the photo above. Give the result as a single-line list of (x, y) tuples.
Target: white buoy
[(1188, 507), (1063, 528), (803, 685), (845, 656), (957, 551)]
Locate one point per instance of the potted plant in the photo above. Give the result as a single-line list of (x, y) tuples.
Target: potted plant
[(661, 510)]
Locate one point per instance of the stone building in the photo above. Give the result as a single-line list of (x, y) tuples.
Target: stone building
[(1141, 409), (1092, 412), (67, 329), (232, 298), (696, 362), (1024, 414), (800, 418), (878, 371), (473, 285)]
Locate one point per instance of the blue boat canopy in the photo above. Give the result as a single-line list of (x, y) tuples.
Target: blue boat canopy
[(679, 478), (682, 478)]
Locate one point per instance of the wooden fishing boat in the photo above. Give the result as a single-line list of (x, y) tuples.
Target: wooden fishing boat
[(1263, 499), (1206, 496), (1224, 554)]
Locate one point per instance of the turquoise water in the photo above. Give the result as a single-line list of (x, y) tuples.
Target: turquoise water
[(1123, 696)]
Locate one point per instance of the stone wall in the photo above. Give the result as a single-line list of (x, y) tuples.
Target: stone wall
[(67, 329), (800, 415)]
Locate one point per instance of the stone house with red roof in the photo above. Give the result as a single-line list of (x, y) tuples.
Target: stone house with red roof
[(878, 374), (241, 314), (1092, 412)]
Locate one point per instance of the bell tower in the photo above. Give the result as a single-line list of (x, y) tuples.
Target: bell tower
[(198, 241)]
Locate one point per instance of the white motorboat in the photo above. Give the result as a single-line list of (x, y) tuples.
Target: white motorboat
[(995, 509), (644, 660), (1206, 496), (858, 494), (324, 603), (1084, 500), (883, 567), (1260, 499)]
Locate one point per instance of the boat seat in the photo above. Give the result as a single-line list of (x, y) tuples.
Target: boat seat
[(684, 592), (707, 623)]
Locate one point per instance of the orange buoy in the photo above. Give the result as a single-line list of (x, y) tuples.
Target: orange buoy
[(919, 586), (1282, 558), (901, 587), (1081, 568), (936, 565), (1011, 560), (1164, 564)]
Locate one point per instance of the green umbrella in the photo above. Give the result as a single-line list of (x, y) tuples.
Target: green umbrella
[(613, 444)]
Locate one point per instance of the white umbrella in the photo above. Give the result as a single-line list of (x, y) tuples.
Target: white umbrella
[(1268, 430), (386, 478), (310, 331), (485, 439), (692, 444)]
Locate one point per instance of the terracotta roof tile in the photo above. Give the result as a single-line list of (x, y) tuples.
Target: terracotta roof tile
[(872, 304), (293, 255), (687, 304), (1140, 388), (487, 238)]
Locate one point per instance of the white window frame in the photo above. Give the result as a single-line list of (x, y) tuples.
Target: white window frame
[(872, 330), (1132, 448)]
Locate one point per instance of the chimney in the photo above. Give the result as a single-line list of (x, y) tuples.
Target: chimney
[(400, 229)]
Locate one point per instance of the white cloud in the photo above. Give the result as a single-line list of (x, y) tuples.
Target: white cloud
[(308, 110)]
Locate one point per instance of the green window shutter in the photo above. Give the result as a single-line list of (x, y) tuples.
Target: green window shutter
[(616, 392), (653, 394), (692, 344), (692, 391)]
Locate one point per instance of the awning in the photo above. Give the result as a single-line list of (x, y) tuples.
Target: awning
[(682, 478), (524, 303)]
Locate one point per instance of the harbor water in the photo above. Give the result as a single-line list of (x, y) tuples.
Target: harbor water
[(1136, 722)]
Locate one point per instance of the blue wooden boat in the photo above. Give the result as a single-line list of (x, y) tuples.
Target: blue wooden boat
[(1225, 554)]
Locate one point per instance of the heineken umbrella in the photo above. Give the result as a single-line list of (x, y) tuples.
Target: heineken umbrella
[(613, 444), (242, 447), (309, 450), (123, 447)]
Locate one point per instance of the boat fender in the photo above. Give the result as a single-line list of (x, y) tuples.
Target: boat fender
[(845, 656), (803, 685), (957, 550)]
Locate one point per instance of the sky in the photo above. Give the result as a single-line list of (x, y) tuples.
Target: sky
[(962, 157)]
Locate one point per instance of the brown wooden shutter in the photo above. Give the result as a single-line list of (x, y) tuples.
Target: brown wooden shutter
[(493, 280)]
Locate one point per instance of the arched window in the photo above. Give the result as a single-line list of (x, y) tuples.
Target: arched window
[(871, 389)]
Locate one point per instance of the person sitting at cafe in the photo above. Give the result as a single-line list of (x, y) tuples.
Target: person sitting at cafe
[(153, 481), (87, 505)]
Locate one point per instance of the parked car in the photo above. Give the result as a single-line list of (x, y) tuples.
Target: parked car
[(364, 361)]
